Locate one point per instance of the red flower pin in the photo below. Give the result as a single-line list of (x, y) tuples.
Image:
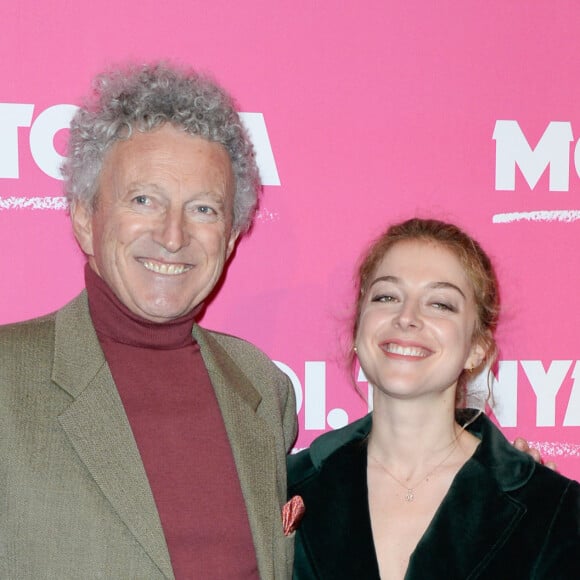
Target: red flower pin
[(292, 513)]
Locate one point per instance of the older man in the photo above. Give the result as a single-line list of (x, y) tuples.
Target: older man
[(133, 443)]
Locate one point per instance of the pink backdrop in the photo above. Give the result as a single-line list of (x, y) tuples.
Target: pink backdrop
[(372, 112)]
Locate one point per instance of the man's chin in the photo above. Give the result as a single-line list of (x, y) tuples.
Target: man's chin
[(162, 314)]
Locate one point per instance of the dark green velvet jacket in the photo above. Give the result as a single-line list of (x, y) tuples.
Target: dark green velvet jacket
[(504, 517)]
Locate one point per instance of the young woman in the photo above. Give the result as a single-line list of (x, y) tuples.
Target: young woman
[(422, 488)]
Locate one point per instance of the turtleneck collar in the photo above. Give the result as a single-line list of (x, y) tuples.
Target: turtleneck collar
[(115, 322)]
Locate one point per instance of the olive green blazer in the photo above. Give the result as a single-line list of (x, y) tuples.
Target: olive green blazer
[(75, 501), (504, 517)]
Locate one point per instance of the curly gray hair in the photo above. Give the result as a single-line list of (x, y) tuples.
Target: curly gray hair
[(143, 98)]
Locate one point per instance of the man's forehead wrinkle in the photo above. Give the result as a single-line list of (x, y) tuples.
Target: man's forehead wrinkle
[(137, 186), (204, 194)]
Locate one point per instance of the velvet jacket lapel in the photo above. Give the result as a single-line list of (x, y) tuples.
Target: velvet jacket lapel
[(253, 448), (98, 429), (472, 524), (474, 521), (478, 514), (335, 535)]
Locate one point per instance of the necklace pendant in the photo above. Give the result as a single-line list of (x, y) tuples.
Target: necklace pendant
[(410, 495)]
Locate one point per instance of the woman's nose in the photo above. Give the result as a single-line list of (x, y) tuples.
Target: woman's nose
[(409, 315)]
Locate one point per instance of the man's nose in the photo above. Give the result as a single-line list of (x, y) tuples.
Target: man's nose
[(172, 232)]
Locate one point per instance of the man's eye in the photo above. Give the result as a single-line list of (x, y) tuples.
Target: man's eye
[(206, 212), (141, 199), (205, 209)]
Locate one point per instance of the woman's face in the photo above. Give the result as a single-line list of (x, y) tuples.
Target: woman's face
[(417, 322)]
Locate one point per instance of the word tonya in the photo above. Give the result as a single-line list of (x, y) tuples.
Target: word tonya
[(515, 383)]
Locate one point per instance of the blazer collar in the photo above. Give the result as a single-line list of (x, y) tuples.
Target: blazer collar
[(510, 468), (253, 445), (225, 373), (98, 429)]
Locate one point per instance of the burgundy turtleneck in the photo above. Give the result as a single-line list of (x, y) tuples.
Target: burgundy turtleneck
[(180, 433)]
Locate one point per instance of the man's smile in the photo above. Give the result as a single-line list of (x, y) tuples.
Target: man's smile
[(164, 268)]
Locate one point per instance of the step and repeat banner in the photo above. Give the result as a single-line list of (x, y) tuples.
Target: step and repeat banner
[(363, 113)]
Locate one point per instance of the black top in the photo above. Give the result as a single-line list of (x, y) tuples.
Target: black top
[(504, 516)]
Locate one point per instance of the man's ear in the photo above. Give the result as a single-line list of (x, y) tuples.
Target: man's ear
[(231, 243), (82, 223)]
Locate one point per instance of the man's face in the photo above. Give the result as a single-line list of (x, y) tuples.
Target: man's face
[(161, 230)]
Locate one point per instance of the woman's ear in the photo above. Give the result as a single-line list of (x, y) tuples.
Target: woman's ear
[(477, 354), (81, 217)]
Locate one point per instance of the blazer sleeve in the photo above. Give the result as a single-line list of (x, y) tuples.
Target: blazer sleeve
[(560, 555)]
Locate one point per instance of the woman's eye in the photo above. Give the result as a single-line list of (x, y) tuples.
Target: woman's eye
[(444, 306), (383, 298), (205, 209)]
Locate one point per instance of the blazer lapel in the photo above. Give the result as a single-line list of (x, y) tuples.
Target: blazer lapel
[(472, 524), (99, 431), (252, 445), (337, 516)]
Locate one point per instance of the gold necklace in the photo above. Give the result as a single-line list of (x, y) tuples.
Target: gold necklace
[(410, 490)]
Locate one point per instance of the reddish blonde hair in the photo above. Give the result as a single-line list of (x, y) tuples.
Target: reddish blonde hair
[(474, 260)]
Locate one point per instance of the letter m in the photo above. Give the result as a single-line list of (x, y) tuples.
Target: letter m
[(553, 149)]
